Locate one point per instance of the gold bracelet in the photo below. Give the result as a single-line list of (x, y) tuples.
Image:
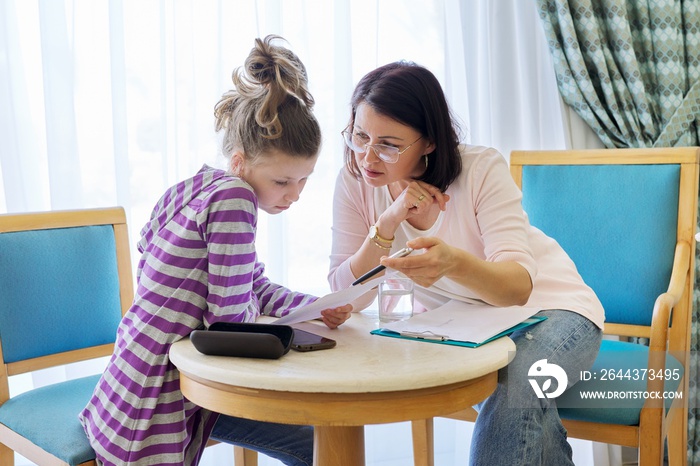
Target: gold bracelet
[(379, 245), (382, 239), (378, 239)]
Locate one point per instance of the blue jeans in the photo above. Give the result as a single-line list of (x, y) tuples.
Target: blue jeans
[(290, 444), (514, 425)]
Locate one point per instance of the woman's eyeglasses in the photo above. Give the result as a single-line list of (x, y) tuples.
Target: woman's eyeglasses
[(360, 143)]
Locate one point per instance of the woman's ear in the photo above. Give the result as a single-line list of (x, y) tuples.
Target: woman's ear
[(429, 148)]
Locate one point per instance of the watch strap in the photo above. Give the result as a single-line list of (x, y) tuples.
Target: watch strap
[(377, 237)]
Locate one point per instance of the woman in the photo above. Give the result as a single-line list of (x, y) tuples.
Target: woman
[(199, 266), (408, 182)]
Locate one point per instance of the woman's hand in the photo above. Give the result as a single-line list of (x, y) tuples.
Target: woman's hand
[(335, 317), (416, 199), (503, 284), (436, 261)]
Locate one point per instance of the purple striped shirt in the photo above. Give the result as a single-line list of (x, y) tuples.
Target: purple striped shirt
[(198, 266)]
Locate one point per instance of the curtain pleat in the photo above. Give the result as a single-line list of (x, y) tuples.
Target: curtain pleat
[(118, 97), (58, 68)]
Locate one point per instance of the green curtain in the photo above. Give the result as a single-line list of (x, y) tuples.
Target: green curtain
[(631, 70)]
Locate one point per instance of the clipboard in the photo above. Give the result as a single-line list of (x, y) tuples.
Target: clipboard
[(430, 337)]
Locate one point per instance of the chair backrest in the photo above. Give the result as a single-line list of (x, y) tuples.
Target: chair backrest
[(619, 214), (65, 283)]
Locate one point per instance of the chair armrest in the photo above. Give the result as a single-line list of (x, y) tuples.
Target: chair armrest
[(658, 343), (681, 266), (666, 301)]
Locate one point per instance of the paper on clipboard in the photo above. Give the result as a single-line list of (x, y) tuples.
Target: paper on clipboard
[(339, 298), (459, 321)]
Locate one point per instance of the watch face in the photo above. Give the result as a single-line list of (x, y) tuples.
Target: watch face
[(373, 231)]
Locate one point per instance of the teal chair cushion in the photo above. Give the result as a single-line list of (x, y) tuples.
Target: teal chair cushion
[(587, 210), (619, 374), (59, 290), (48, 417)]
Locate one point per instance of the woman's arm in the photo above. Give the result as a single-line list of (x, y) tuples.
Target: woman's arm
[(354, 252), (502, 275), (497, 283)]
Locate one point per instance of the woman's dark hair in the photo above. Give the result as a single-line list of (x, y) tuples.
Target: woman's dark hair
[(411, 94)]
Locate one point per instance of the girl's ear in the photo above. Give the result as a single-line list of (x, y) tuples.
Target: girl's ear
[(237, 161)]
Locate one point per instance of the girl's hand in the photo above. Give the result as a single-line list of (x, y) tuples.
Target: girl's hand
[(333, 318), (436, 261)]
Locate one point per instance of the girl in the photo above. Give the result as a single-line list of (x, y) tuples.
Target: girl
[(199, 266)]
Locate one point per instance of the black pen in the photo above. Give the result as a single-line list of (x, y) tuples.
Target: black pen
[(402, 253)]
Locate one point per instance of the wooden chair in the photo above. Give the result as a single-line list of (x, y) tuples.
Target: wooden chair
[(244, 457), (627, 217), (241, 456), (65, 282)]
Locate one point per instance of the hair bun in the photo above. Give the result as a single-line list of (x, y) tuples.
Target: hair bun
[(270, 106), (272, 74), (261, 69)]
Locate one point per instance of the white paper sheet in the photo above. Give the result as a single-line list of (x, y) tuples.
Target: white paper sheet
[(332, 300), (456, 320)]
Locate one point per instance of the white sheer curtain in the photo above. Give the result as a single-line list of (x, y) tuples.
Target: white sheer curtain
[(109, 102)]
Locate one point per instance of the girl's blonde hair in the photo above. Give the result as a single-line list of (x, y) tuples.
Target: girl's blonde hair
[(270, 107)]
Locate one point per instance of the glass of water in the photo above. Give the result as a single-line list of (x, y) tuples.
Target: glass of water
[(395, 299)]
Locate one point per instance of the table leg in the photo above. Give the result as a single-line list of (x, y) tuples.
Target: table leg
[(423, 449), (339, 445)]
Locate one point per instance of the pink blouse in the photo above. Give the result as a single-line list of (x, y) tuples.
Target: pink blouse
[(484, 216)]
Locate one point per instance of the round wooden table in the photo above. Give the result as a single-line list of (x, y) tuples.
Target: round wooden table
[(365, 379)]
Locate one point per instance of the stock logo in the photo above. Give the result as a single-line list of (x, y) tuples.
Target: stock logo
[(541, 374)]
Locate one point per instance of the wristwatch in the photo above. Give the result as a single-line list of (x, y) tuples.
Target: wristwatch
[(378, 240)]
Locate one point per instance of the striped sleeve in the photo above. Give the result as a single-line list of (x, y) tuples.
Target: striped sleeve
[(237, 282), (276, 300), (227, 222)]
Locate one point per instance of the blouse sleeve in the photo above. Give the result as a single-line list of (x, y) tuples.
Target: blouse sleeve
[(352, 217), (502, 222), (350, 227)]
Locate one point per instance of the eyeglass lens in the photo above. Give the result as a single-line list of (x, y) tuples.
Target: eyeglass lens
[(354, 142)]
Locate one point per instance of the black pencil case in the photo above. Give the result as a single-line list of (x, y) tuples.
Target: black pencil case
[(245, 340)]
